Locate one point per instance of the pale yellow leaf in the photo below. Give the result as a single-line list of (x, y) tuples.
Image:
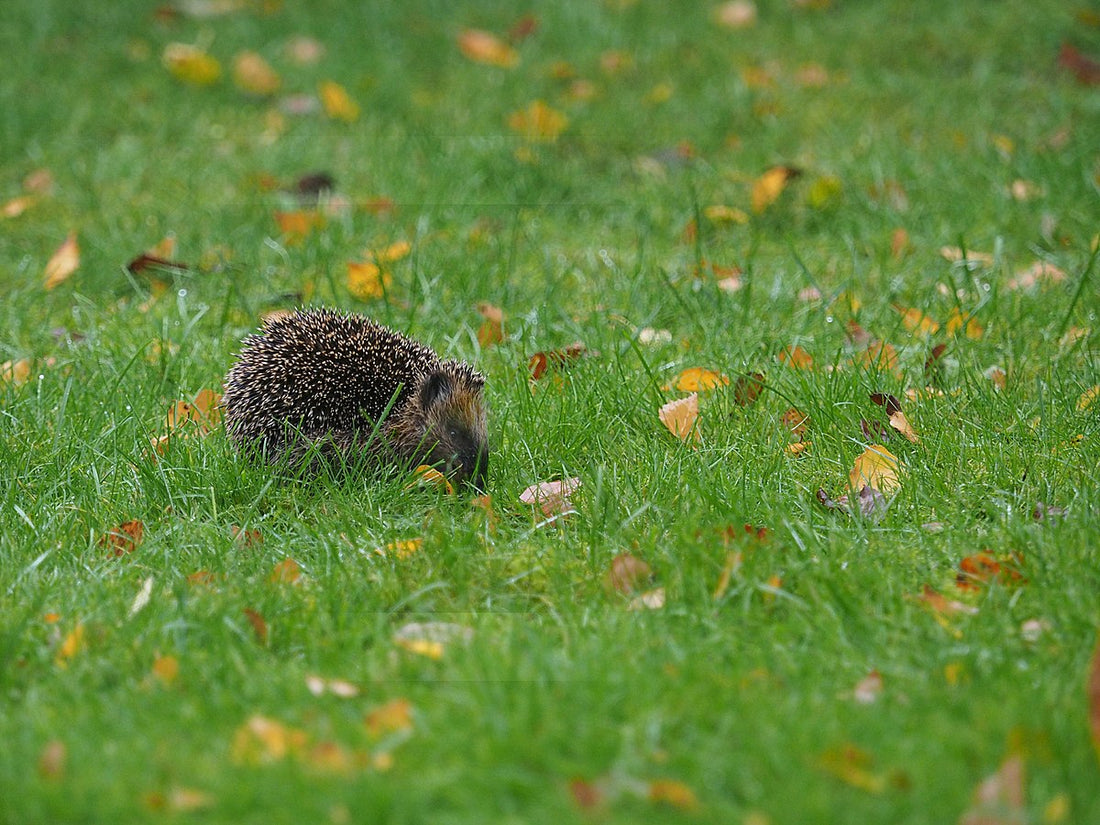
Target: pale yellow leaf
[(62, 263), (876, 467)]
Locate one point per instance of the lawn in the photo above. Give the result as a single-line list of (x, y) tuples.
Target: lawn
[(851, 245)]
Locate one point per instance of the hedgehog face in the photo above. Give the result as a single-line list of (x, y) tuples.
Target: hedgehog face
[(455, 436)]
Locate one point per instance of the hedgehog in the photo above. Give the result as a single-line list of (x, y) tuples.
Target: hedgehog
[(321, 387)]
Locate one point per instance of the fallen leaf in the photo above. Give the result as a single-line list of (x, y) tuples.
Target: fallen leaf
[(825, 192), (956, 254), (336, 102), (254, 75), (492, 326), (650, 600), (932, 369), (698, 379), (890, 402), (1088, 397), (1040, 272), (341, 688), (538, 122), (720, 213), (124, 538), (304, 51), (868, 689), (287, 571), (672, 793), (141, 600), (586, 795), (747, 389), (53, 760), (400, 549), (72, 644), (430, 639), (392, 717), (852, 765), (734, 559), (262, 740), (296, 225), (191, 64), (63, 263), (187, 800), (880, 356), (768, 187), (797, 448), (15, 372), (627, 575), (367, 281), (523, 28), (796, 357), (983, 569), (259, 624), (736, 14), (916, 321), (1048, 512), (166, 669), (899, 243), (17, 206), (876, 467), (997, 376), (1084, 69), (796, 422), (999, 798), (246, 537), (540, 362), (900, 423), (939, 603), (554, 498), (484, 47), (680, 417), (428, 476)]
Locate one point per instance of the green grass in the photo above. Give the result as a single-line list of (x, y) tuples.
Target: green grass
[(745, 698)]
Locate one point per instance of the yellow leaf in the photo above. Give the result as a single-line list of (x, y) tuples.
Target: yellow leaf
[(798, 447), (1087, 397), (877, 467), (796, 357), (400, 549), (720, 213), (72, 644), (680, 417), (261, 740), (15, 372), (395, 715), (367, 280), (959, 320), (429, 648), (336, 102), (696, 379), (674, 793), (916, 321), (769, 186), (880, 356), (538, 122), (394, 252), (483, 47), (63, 262), (191, 64), (17, 206), (254, 75), (166, 669), (428, 476)]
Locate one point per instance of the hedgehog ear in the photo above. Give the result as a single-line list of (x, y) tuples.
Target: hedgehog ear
[(434, 388)]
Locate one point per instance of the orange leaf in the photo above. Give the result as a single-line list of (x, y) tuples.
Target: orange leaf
[(538, 122), (286, 572), (483, 47), (983, 568), (429, 476), (943, 605), (958, 320), (395, 715), (337, 103), (72, 644), (876, 467), (166, 669), (540, 362), (673, 793), (681, 416), (698, 379), (123, 539), (916, 321), (296, 225), (367, 281), (767, 188), (400, 549), (492, 328), (63, 263), (627, 574), (15, 372), (254, 75), (259, 625), (796, 357), (880, 356)]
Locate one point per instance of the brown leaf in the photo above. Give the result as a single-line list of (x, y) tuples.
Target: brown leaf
[(63, 263), (540, 362), (890, 402), (983, 569), (523, 28), (552, 497), (246, 538), (932, 364), (796, 357), (124, 538), (286, 572), (1084, 69), (943, 605), (857, 334), (147, 260), (899, 243), (627, 575), (747, 388), (492, 327), (796, 422), (586, 795), (259, 625), (53, 760)]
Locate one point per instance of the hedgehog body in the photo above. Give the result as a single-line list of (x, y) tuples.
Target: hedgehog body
[(320, 385)]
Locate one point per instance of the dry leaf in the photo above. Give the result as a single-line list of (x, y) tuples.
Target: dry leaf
[(430, 639), (15, 372), (720, 213), (400, 549), (304, 51), (796, 357), (336, 102), (538, 122), (1088, 397), (983, 568), (999, 798), (681, 416), (890, 402), (540, 362), (997, 376), (768, 187), (673, 793), (797, 448), (650, 600), (796, 422), (868, 689), (876, 467), (916, 321), (627, 575), (53, 760), (958, 320), (1084, 69), (747, 389), (483, 47), (880, 356), (852, 765), (900, 423), (736, 14), (367, 281), (341, 688), (943, 605), (554, 498), (166, 669), (492, 327), (191, 64), (262, 740), (259, 625), (254, 75), (698, 379), (428, 476), (899, 243), (295, 226), (285, 572), (393, 717), (72, 644), (63, 263), (17, 206), (956, 254), (124, 538), (1040, 272)]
